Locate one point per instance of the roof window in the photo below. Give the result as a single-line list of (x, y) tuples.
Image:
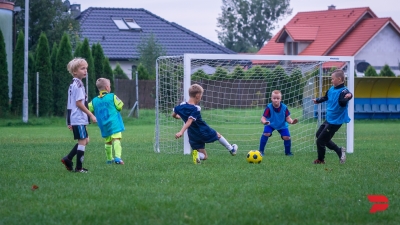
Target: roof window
[(126, 23)]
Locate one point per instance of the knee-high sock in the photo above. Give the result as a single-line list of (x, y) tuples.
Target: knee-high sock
[(263, 143), (288, 145), (72, 153), (108, 151), (117, 148), (80, 153), (225, 143)]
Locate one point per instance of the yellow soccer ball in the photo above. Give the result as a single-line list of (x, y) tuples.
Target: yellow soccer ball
[(254, 157)]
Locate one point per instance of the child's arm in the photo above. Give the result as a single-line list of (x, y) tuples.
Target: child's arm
[(184, 128), (322, 99), (264, 121), (176, 116), (118, 103), (291, 121), (344, 97), (82, 107)]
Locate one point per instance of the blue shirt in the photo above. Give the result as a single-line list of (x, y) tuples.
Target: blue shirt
[(277, 116), (336, 114)]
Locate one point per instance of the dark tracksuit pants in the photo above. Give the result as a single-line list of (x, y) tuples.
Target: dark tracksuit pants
[(324, 139)]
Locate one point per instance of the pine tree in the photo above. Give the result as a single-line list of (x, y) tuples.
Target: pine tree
[(98, 59), (18, 76), (61, 77), (108, 73), (43, 67), (77, 52), (142, 73), (53, 57), (387, 72), (370, 72), (86, 53), (119, 73), (4, 98)]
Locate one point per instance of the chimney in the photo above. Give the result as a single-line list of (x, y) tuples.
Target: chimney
[(75, 10), (331, 7)]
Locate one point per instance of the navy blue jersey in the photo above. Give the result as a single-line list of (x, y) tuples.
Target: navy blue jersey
[(199, 131)]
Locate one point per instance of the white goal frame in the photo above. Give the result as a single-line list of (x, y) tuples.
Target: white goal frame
[(187, 82)]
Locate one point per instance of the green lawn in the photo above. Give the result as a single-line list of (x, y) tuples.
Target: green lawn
[(157, 188)]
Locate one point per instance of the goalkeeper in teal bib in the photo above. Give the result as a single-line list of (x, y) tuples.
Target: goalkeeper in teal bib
[(107, 107), (337, 98)]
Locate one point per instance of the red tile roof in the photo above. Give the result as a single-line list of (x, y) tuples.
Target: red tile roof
[(332, 25)]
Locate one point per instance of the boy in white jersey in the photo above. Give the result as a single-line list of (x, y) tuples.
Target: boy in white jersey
[(107, 107), (337, 98), (276, 116), (198, 131), (77, 115)]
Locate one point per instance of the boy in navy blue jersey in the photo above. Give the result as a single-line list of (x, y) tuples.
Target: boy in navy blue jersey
[(337, 98), (198, 131), (276, 116)]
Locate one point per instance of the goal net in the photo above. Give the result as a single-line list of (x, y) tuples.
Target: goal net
[(237, 89)]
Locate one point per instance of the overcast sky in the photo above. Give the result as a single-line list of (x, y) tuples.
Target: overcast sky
[(200, 16)]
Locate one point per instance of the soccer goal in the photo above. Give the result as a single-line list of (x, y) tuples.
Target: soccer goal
[(237, 89)]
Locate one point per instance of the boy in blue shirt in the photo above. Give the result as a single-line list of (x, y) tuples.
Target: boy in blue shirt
[(107, 107), (276, 116), (198, 131), (337, 98)]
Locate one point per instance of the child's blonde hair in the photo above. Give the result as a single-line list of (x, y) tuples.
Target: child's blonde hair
[(277, 92), (339, 74), (195, 89), (101, 84), (74, 64)]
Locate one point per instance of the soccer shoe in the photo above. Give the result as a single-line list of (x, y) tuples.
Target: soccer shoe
[(262, 153), (317, 161), (119, 161), (67, 163), (234, 149), (343, 157), (81, 170), (195, 157), (289, 154), (110, 161)]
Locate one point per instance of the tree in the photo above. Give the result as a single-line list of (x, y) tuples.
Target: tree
[(238, 73), (98, 59), (149, 50), (61, 77), (142, 72), (18, 76), (119, 73), (370, 72), (86, 53), (43, 67), (387, 72), (4, 98), (47, 16), (32, 83), (53, 57), (245, 25), (108, 73)]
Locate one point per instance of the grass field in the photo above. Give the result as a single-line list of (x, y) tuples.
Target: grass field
[(162, 188)]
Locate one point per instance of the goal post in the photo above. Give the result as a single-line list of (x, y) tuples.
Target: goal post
[(237, 89)]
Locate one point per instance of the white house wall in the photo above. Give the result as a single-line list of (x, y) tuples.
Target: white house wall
[(383, 49)]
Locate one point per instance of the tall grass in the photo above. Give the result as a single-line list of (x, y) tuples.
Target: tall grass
[(161, 188)]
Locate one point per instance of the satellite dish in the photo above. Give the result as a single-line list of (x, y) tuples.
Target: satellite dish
[(362, 67)]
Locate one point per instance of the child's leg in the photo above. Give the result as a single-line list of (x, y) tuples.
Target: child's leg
[(324, 135), (285, 135), (202, 154), (108, 148), (117, 148), (72, 153), (81, 152), (224, 142), (264, 138)]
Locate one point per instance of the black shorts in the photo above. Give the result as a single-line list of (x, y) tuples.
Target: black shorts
[(80, 132)]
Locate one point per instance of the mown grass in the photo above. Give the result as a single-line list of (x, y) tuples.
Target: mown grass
[(157, 188)]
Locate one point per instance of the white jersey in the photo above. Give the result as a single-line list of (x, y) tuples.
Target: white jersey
[(76, 92)]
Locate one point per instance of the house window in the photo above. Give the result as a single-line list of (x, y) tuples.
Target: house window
[(132, 24), (126, 23), (292, 48)]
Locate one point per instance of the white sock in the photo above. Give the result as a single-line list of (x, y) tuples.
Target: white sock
[(225, 143), (201, 155)]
